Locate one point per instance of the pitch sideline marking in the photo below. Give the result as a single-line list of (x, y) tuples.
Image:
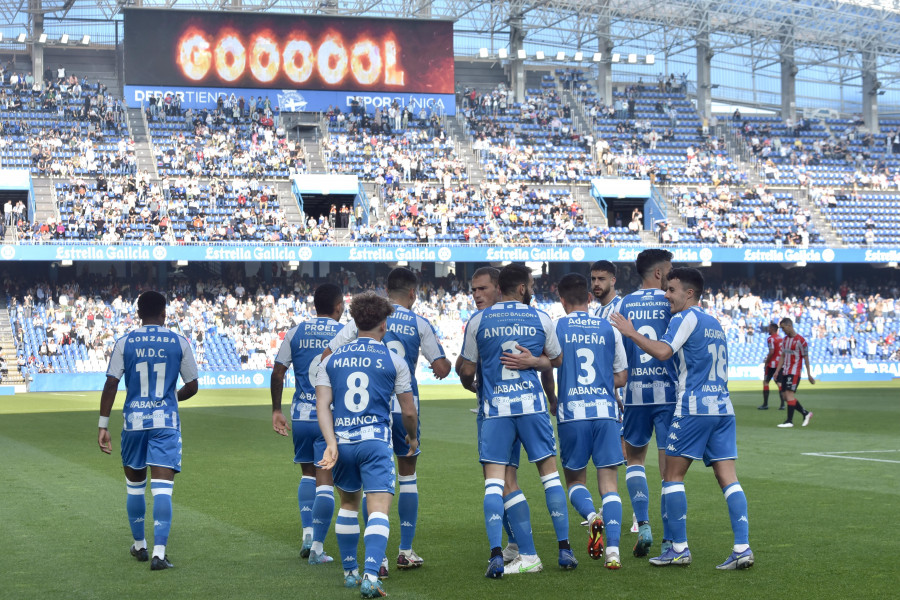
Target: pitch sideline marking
[(843, 455)]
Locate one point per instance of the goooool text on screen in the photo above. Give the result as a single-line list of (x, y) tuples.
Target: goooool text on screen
[(306, 63)]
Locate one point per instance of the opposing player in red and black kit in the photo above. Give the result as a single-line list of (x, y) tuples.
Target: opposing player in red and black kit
[(794, 352), (771, 363)]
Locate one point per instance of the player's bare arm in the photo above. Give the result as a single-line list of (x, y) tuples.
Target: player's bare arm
[(107, 399), (549, 385), (326, 426), (620, 379), (276, 387), (656, 349), (410, 420), (466, 371), (187, 391), (441, 368), (524, 359), (809, 375)]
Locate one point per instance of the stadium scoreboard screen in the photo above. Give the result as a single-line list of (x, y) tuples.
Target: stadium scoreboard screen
[(299, 63)]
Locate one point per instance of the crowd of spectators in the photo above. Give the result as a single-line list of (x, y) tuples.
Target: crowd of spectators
[(177, 210), (247, 320)]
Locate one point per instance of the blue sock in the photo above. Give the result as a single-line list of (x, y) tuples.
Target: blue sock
[(162, 513), (375, 539), (346, 530), (493, 511), (136, 506), (556, 505), (306, 493), (676, 506), (581, 500), (408, 509), (322, 511), (510, 536), (664, 514), (737, 511), (365, 511), (636, 481), (612, 518), (519, 516)]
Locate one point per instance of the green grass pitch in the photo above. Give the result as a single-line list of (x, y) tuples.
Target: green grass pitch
[(820, 526)]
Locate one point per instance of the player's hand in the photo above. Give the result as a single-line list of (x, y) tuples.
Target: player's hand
[(103, 440), (520, 361), (624, 325), (812, 380), (413, 444), (329, 457), (553, 404), (279, 423)]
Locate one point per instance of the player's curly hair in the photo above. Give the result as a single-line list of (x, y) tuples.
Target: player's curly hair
[(369, 310)]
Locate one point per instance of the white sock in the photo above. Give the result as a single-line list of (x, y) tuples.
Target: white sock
[(159, 551), (307, 531), (741, 547), (679, 546), (317, 547), (612, 550), (370, 577), (140, 545)]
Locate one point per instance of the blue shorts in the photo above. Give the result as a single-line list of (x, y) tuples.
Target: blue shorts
[(398, 436), (711, 438), (366, 466), (500, 436), (641, 420), (595, 439), (517, 448), (153, 447), (305, 433)]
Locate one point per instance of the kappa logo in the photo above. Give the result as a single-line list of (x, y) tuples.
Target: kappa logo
[(317, 521), (743, 518), (406, 524), (139, 520), (682, 518), (613, 522), (639, 495), (676, 425), (157, 523), (349, 559), (306, 509), (671, 448), (369, 559), (672, 436), (495, 517), (556, 514)]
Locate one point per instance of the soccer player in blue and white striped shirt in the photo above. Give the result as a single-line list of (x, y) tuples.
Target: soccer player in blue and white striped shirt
[(650, 392), (587, 412), (515, 409), (603, 287), (302, 348), (704, 426), (360, 379), (150, 358)]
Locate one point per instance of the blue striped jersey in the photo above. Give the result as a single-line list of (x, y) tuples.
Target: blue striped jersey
[(604, 310), (592, 352), (650, 381), (701, 364), (500, 328), (302, 347), (408, 335), (151, 358), (363, 375)]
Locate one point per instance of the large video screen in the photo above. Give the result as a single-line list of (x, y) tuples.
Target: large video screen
[(237, 51)]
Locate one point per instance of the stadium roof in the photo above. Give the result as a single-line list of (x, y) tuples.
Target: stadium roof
[(663, 26)]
